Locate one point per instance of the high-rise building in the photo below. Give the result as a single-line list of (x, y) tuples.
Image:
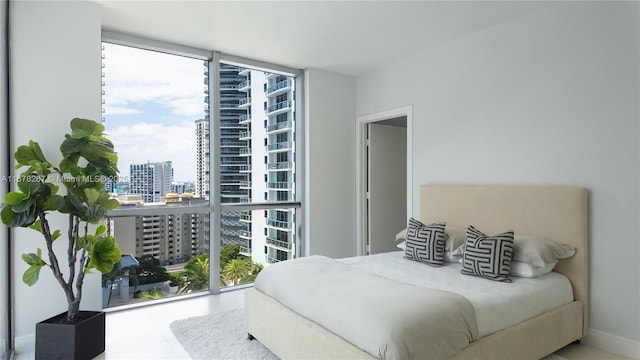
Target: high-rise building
[(151, 180), (257, 145), (202, 157), (172, 239)]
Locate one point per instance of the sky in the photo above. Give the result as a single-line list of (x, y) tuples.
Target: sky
[(151, 102)]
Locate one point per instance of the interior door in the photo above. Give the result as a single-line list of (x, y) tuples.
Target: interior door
[(387, 185)]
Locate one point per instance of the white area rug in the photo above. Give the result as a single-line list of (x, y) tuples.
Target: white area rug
[(219, 336)]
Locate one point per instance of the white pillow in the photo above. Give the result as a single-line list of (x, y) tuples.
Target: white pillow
[(402, 245), (535, 251), (523, 269), (540, 252)]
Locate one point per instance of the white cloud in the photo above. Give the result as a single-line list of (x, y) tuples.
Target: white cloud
[(142, 142), (121, 110), (135, 76)]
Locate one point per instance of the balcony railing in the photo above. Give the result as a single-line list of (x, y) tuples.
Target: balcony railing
[(244, 85), (229, 87), (244, 135), (243, 119), (285, 125), (244, 102), (271, 259), (245, 152), (245, 215), (245, 234), (279, 106), (245, 168), (231, 125), (280, 224), (283, 165), (278, 86), (279, 243), (279, 185), (285, 145), (245, 250)]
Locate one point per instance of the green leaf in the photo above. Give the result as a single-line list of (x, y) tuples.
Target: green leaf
[(104, 254), (94, 214), (75, 205), (100, 230), (54, 203), (110, 204), (24, 205), (89, 126), (56, 234), (37, 151), (33, 259), (80, 133), (31, 275), (92, 195), (35, 263), (37, 226), (8, 216), (69, 163), (13, 198), (29, 183), (13, 219), (71, 145), (28, 153)]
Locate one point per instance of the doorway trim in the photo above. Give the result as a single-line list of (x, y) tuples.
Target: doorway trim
[(361, 123)]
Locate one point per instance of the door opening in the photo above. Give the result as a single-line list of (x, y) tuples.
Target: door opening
[(385, 183)]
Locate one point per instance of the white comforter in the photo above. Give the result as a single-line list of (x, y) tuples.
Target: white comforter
[(497, 305), (386, 318)]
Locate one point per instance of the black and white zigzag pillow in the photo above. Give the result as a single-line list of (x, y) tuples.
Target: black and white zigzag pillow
[(488, 256), (425, 243)]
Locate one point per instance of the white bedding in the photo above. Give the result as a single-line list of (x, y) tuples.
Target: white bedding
[(386, 318), (497, 305)]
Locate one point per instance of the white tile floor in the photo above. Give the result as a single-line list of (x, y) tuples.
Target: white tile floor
[(143, 333)]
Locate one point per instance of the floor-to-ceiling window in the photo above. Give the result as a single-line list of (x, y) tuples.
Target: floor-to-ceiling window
[(208, 165), (257, 169)]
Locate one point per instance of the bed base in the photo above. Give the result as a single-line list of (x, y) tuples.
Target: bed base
[(292, 336)]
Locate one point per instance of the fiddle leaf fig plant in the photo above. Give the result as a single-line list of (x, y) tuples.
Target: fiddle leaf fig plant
[(88, 158)]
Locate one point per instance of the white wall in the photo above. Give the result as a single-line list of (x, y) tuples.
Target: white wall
[(330, 161), (549, 98), (56, 67)]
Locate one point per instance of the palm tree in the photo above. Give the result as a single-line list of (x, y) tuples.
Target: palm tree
[(196, 275), (235, 271)]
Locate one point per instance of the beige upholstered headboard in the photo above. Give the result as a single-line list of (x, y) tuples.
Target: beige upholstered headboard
[(556, 213)]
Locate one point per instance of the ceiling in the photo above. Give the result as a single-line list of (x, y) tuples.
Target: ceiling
[(350, 37)]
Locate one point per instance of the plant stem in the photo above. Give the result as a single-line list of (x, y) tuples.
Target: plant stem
[(54, 265)]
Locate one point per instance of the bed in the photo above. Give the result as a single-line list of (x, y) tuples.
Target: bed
[(556, 213)]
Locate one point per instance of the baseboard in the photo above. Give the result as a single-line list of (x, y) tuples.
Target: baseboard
[(25, 344), (613, 344)]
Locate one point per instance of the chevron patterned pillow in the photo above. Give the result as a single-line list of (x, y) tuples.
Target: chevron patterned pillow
[(425, 243), (488, 256)]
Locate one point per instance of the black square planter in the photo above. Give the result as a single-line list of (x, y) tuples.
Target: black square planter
[(56, 339)]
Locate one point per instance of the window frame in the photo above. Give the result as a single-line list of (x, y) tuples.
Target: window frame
[(215, 208)]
